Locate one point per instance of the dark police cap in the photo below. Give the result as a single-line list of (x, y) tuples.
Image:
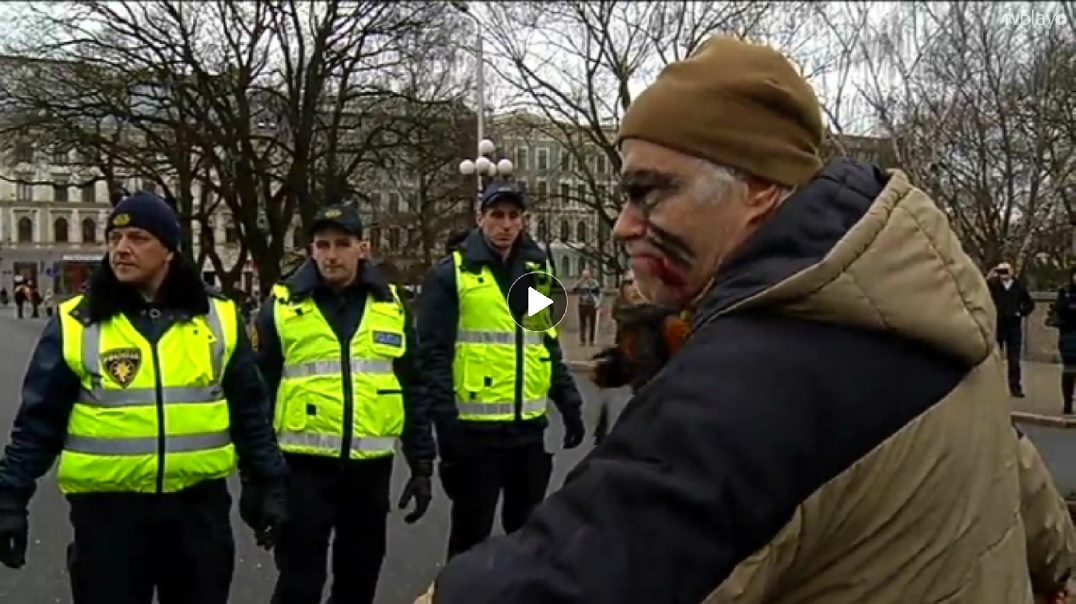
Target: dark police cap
[(498, 192), (344, 216)]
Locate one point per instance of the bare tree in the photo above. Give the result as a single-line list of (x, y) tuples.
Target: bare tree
[(268, 106), (572, 67), (972, 99)]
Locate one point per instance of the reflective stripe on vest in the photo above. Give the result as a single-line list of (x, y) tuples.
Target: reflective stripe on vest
[(312, 398), (115, 439), (487, 343)]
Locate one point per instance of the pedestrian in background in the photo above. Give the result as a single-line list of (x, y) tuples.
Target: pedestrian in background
[(1013, 303), (589, 291), (1063, 317)]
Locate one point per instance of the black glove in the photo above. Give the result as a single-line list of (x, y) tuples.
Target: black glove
[(14, 533), (574, 431), (264, 508), (419, 488)]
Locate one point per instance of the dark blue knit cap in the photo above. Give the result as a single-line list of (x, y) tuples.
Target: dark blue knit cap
[(149, 212)]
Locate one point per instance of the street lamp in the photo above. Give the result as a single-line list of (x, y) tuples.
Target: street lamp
[(483, 165)]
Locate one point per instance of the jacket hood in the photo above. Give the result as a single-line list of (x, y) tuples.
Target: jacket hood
[(862, 248)]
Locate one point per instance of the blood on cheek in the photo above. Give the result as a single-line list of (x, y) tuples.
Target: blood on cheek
[(663, 269)]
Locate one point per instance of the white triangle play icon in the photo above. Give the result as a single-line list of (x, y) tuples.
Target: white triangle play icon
[(536, 302)]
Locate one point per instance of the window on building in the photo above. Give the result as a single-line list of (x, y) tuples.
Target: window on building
[(521, 158), (581, 232), (565, 230), (565, 160), (565, 192), (375, 239), (89, 230), (24, 192), (603, 196), (59, 156), (26, 230), (541, 189), (543, 159), (581, 193), (59, 192), (24, 152), (88, 193), (59, 230), (297, 239), (521, 185), (601, 163), (148, 186), (394, 238), (231, 234), (543, 230), (375, 202), (394, 203)]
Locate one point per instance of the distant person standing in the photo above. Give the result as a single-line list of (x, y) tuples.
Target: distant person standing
[(1013, 303), (1063, 317), (590, 299)]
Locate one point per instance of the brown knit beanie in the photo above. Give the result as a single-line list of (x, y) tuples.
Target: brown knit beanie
[(737, 104)]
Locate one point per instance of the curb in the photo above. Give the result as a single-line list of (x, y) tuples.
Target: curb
[(579, 365), (1052, 421)]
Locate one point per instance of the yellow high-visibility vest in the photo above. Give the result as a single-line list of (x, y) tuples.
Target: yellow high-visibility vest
[(151, 418), (333, 402), (490, 347)]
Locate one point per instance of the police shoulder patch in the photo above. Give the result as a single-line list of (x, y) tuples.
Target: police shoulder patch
[(122, 364), (388, 338)]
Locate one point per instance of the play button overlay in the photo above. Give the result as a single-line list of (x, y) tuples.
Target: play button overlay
[(539, 301), (536, 302)]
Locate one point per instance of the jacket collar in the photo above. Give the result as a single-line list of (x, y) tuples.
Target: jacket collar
[(307, 280), (477, 253), (183, 293)]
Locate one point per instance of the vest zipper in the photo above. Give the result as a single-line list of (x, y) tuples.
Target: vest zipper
[(349, 402), (160, 418), (519, 374)]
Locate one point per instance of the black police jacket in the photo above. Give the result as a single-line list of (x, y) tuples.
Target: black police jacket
[(343, 311)]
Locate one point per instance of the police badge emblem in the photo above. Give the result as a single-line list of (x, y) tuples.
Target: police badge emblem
[(121, 220), (333, 213), (122, 364)]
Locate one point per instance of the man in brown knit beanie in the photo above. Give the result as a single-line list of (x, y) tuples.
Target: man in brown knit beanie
[(831, 431)]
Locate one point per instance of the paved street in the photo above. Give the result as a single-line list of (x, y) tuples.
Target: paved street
[(414, 551)]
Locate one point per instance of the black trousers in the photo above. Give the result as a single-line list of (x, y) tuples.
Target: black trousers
[(126, 546), (588, 323), (475, 482), (1011, 340), (347, 502)]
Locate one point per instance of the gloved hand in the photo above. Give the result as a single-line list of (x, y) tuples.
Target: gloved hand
[(14, 532), (264, 508), (574, 431), (420, 489), (610, 368)]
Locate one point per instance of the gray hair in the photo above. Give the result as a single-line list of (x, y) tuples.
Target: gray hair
[(719, 181)]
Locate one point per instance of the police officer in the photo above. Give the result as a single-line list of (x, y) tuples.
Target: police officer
[(337, 347), (147, 390), (487, 379)]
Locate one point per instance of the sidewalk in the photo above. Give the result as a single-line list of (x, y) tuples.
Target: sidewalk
[(1042, 384)]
